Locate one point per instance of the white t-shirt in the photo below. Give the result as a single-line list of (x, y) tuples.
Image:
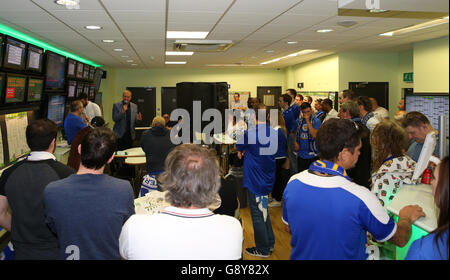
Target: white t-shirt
[(333, 114), (181, 234), (92, 110), (381, 113), (371, 123)]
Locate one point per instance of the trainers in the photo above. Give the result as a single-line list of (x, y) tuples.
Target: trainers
[(274, 203), (255, 252)]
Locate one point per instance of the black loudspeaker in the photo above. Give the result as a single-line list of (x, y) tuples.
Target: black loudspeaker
[(211, 95), (104, 74)]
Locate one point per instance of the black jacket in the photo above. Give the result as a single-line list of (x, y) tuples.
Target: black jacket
[(157, 145)]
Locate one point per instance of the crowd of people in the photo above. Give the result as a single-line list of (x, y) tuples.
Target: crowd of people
[(334, 172)]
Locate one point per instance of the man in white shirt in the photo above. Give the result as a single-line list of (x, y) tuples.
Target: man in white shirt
[(187, 229), (91, 109), (365, 111), (327, 107), (237, 104), (379, 112)]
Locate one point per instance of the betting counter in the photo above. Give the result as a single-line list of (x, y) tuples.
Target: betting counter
[(421, 195)]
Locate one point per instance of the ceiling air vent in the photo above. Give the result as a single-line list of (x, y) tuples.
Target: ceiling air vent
[(346, 23), (202, 45)]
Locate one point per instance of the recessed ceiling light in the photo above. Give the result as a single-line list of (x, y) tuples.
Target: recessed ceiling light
[(186, 34), (108, 41), (69, 4), (175, 62), (292, 42), (93, 27), (117, 50), (179, 53), (325, 30)]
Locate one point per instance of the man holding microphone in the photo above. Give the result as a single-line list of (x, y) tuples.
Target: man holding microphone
[(125, 114)]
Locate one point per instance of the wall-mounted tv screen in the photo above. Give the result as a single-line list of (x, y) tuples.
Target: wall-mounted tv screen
[(2, 39), (72, 89), (80, 89), (34, 58), (79, 72), (14, 57), (56, 108), (2, 84), (86, 89), (91, 73), (98, 78), (86, 71), (15, 88), (34, 89), (71, 68), (91, 91), (55, 72)]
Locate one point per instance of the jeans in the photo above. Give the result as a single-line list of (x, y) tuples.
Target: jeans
[(263, 232)]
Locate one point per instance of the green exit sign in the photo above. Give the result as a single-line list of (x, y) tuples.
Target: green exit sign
[(408, 77)]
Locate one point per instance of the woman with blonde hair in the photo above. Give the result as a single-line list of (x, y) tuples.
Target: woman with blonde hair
[(391, 166)]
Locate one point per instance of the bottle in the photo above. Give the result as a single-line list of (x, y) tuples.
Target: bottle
[(426, 176)]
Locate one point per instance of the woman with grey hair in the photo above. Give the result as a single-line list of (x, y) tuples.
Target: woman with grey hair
[(187, 229)]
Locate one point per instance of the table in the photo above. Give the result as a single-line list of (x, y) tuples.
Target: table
[(421, 195), (225, 141), (132, 152), (134, 157)]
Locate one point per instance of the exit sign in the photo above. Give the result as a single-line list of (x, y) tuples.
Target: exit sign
[(408, 77)]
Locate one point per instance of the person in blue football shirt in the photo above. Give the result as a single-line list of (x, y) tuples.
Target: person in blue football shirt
[(306, 131), (435, 245), (259, 147), (329, 215), (290, 114), (74, 121)]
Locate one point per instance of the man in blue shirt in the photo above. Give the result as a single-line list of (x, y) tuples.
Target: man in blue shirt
[(418, 127), (306, 130), (87, 210), (327, 214), (290, 113), (260, 147), (74, 121)]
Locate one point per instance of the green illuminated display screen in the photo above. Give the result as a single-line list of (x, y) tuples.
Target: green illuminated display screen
[(15, 89), (35, 89)]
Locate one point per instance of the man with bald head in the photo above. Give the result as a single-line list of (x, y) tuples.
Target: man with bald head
[(125, 114)]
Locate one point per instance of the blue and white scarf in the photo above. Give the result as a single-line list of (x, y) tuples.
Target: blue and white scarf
[(328, 167)]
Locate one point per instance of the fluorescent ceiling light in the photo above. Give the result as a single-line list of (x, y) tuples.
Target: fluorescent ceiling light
[(303, 52), (93, 27), (186, 34), (292, 42), (108, 41), (69, 4), (376, 11), (270, 51), (233, 65), (179, 53), (417, 27), (117, 50), (324, 30), (175, 62), (130, 60), (134, 64), (124, 56), (271, 61)]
